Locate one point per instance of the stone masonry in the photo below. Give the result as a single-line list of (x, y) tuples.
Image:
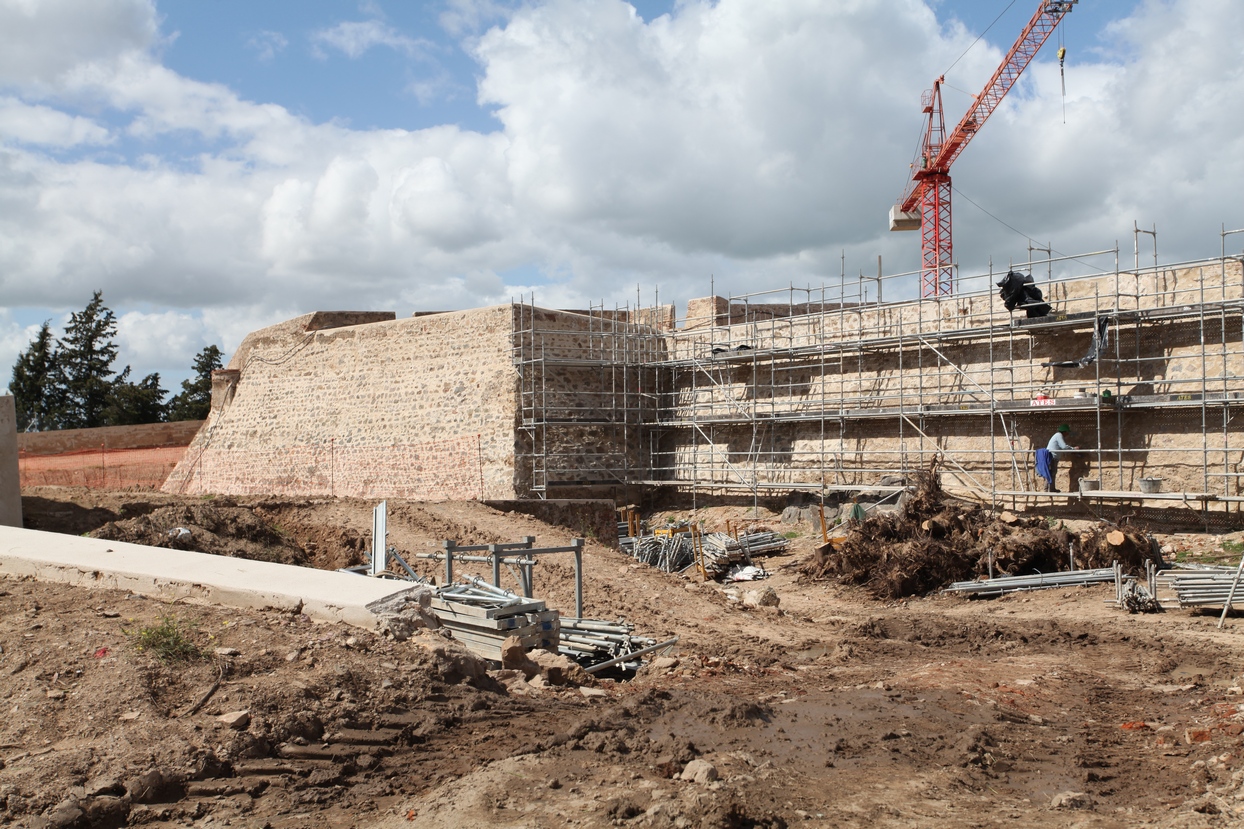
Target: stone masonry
[(364, 405), (846, 395), (515, 401)]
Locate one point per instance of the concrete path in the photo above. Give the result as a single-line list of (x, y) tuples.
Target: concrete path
[(175, 574)]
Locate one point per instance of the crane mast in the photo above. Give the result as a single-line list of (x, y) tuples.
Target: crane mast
[(925, 204)]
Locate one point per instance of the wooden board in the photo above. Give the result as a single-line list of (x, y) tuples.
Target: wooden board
[(488, 645)]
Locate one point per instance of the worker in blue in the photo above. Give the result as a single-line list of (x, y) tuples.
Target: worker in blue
[(1047, 458)]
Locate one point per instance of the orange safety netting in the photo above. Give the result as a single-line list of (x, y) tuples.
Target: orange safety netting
[(101, 468)]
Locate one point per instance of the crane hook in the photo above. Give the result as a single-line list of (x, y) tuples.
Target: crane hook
[(1062, 76)]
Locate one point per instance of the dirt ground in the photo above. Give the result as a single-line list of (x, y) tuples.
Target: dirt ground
[(834, 709)]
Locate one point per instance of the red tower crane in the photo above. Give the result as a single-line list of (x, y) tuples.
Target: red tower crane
[(926, 202)]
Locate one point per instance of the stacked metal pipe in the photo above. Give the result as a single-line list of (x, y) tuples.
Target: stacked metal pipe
[(1015, 584), (592, 641), (479, 593), (1206, 588), (675, 553), (762, 542), (722, 551), (667, 553), (1138, 599)]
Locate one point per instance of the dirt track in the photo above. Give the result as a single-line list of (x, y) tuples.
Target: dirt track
[(836, 710)]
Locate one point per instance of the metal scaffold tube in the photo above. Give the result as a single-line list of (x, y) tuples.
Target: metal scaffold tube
[(791, 390)]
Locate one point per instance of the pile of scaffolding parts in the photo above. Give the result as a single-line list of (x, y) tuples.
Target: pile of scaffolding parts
[(1191, 586), (717, 556), (483, 616)]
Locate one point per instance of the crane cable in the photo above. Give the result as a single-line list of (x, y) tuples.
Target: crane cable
[(978, 37), (1016, 230), (1062, 76)]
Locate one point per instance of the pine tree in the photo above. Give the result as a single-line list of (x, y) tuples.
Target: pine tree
[(195, 399), (85, 361), (36, 387), (132, 403)]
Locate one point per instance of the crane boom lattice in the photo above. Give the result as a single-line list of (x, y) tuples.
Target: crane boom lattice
[(930, 186)]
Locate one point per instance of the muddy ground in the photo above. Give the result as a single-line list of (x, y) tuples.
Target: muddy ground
[(835, 709)]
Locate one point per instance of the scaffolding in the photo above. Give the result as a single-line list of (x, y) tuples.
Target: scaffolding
[(586, 395), (822, 389)]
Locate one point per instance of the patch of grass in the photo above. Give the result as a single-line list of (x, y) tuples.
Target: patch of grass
[(168, 641), (791, 534), (1234, 548)]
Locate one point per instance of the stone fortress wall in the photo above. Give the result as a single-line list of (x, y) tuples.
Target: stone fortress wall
[(363, 404), (425, 407), (518, 401)]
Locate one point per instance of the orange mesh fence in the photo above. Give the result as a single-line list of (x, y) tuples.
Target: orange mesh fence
[(445, 469), (101, 468)]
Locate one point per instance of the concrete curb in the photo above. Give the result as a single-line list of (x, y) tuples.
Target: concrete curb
[(176, 575)]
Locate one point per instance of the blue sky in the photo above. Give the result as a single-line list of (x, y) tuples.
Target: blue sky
[(218, 166), (270, 52)]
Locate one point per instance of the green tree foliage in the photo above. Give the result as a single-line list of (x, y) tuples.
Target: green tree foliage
[(35, 385), (70, 384), (195, 399), (85, 359), (132, 403)]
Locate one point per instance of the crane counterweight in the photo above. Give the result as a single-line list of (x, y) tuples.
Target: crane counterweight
[(904, 220)]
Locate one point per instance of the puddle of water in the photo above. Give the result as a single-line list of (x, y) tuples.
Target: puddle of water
[(814, 652), (1190, 672)]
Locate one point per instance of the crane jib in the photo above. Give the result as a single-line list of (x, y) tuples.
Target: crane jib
[(929, 190), (1030, 41)]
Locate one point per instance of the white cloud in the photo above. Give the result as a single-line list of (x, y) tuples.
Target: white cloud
[(165, 338), (752, 143), (1145, 138), (37, 124), (719, 129), (44, 39), (465, 17), (355, 37), (267, 45), (439, 86)]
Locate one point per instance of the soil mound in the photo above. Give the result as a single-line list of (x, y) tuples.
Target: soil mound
[(226, 529), (931, 542)]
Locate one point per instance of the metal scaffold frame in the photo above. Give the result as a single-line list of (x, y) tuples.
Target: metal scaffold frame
[(824, 390), (585, 396)]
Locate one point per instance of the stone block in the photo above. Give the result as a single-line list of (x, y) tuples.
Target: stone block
[(10, 474)]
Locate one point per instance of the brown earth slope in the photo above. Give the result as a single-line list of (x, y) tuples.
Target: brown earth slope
[(834, 710)]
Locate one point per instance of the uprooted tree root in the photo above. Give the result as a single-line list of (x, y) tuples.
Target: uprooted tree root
[(930, 543)]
